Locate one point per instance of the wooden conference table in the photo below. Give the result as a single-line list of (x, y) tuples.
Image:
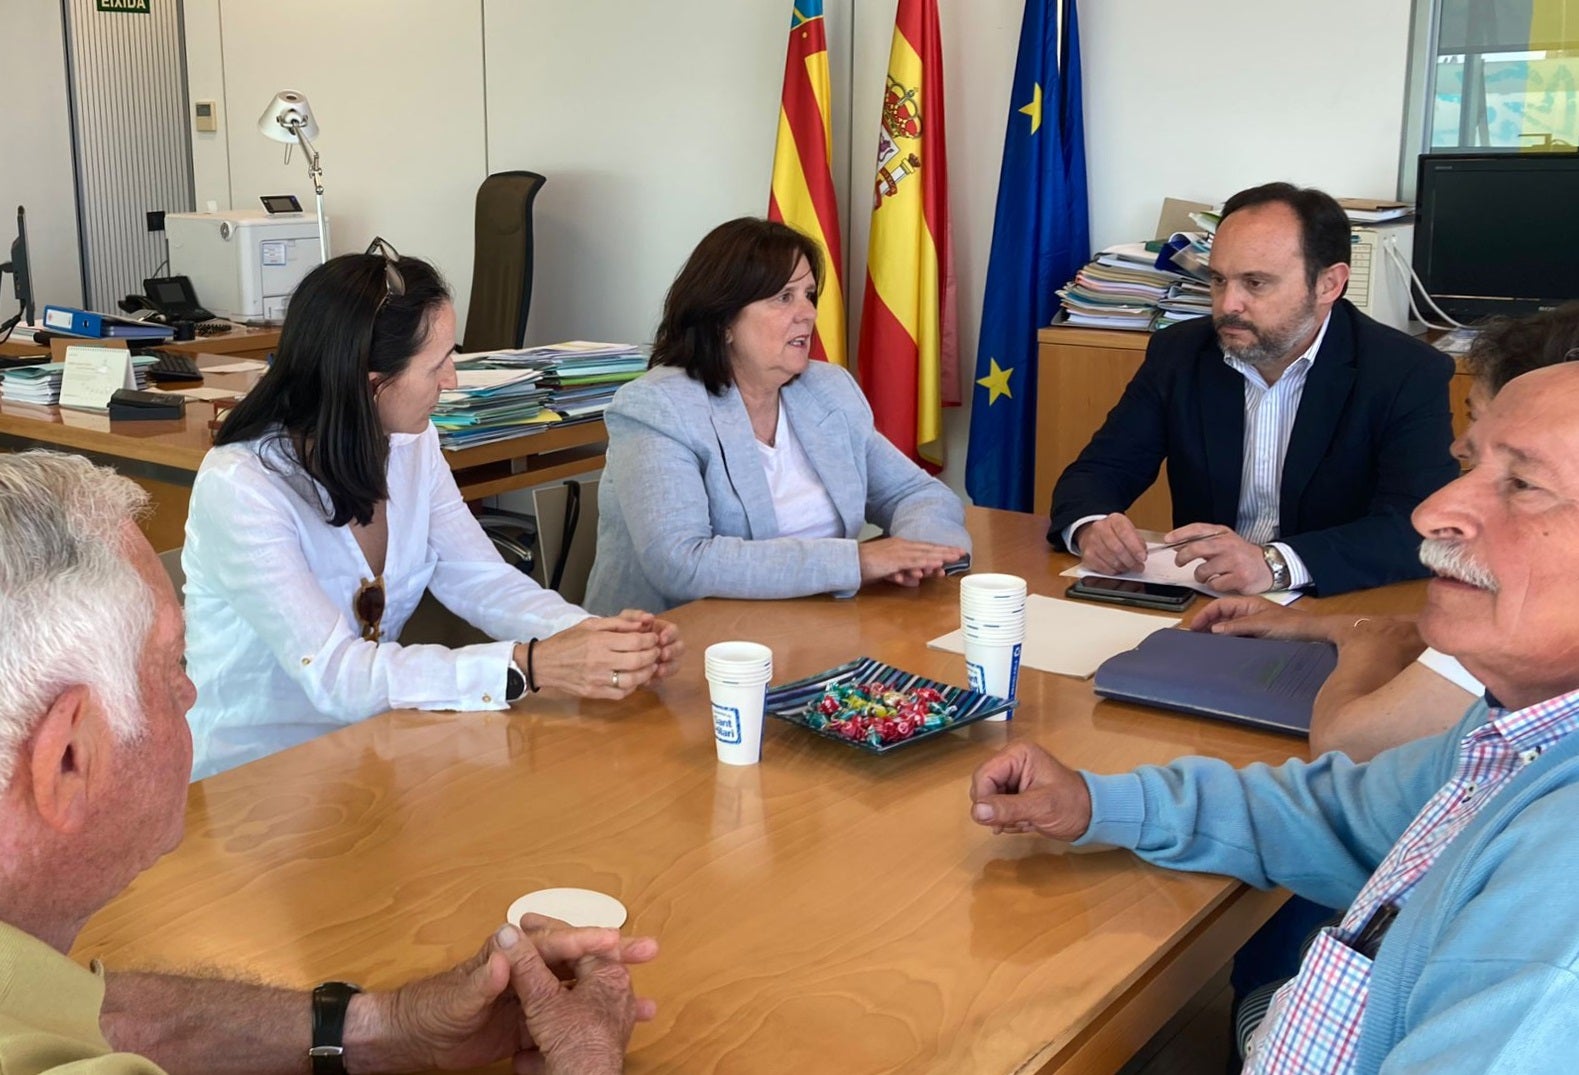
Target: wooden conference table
[(825, 911), (164, 456)]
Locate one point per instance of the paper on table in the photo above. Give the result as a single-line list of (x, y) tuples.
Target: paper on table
[(202, 394), (1161, 568), (1071, 638), (246, 365)]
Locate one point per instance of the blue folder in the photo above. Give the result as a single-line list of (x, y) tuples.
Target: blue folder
[(1264, 682)]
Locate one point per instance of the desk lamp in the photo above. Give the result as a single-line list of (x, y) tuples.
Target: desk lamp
[(289, 119)]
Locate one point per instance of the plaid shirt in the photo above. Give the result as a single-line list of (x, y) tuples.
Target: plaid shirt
[(1314, 1021)]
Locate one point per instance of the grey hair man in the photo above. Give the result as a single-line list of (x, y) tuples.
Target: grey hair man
[(1460, 949), (95, 754)]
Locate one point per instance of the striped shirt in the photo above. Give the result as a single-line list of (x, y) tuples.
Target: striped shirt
[(1313, 1024), (1270, 411)]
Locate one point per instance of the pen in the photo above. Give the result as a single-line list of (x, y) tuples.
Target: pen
[(1370, 937), (1183, 541)]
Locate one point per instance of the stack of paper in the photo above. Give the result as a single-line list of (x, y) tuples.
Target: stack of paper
[(490, 404), (1185, 301), (1141, 286), (1374, 210), (32, 384), (579, 377), (41, 384)]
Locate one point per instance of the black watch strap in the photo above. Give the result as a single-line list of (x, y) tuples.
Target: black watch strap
[(330, 1001)]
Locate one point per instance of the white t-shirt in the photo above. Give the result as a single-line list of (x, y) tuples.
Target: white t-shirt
[(1449, 669), (802, 504), (272, 640)]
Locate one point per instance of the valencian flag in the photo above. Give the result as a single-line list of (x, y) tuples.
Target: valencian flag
[(1040, 237), (802, 194), (909, 351)]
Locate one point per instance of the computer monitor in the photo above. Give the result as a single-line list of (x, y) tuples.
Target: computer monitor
[(21, 279), (1496, 233)]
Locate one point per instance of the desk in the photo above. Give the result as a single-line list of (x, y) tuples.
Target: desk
[(163, 457), (825, 911), (242, 341), (1081, 372)]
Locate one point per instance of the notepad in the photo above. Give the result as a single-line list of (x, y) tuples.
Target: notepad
[(1071, 638)]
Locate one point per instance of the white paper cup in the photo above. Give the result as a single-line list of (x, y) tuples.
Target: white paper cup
[(737, 721), (992, 619), (576, 906), (990, 591), (743, 662), (737, 680), (993, 668), (987, 628)]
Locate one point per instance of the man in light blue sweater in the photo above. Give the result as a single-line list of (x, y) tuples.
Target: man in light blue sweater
[(1456, 856)]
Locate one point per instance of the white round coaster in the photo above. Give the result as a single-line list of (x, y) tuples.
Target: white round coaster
[(577, 906)]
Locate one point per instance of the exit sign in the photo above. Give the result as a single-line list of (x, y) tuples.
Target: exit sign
[(129, 7)]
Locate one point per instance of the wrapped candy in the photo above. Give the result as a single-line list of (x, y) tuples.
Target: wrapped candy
[(877, 713)]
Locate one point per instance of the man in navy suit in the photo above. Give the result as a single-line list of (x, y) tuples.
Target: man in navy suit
[(1299, 434)]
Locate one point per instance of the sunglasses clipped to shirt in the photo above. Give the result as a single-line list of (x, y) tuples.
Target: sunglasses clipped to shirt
[(368, 604)]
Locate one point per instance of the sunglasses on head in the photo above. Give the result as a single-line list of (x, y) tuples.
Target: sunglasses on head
[(394, 283), (368, 604)]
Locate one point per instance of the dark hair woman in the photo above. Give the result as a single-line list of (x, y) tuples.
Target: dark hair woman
[(324, 513), (737, 466)]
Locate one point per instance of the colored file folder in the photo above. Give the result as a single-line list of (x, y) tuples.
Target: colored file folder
[(70, 321)]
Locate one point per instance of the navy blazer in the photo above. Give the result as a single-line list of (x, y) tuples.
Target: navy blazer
[(1371, 441)]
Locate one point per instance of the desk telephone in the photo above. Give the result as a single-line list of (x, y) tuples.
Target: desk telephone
[(173, 300)]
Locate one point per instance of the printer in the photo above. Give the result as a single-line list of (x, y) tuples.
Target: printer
[(243, 264)]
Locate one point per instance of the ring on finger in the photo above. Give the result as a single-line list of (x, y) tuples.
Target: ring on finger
[(614, 680)]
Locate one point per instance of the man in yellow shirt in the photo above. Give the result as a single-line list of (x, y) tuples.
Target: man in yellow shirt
[(95, 754)]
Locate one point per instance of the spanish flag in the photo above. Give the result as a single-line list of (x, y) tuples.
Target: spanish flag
[(802, 194), (909, 348)]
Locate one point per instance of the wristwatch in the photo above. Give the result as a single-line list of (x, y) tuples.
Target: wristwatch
[(514, 683), (1281, 576), (330, 1001)]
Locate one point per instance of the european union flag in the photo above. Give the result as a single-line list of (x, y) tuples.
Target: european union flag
[(1041, 236)]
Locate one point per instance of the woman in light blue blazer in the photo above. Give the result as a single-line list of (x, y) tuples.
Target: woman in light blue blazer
[(739, 467)]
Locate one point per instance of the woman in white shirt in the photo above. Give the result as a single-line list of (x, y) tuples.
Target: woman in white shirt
[(739, 467), (324, 512)]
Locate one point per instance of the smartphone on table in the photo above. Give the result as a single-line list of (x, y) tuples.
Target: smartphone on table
[(1132, 592)]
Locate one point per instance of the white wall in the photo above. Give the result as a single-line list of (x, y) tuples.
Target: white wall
[(397, 89), (205, 81), (35, 163), (653, 123), (1200, 100)]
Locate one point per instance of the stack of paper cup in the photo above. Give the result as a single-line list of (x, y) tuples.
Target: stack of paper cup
[(992, 618), (737, 678)]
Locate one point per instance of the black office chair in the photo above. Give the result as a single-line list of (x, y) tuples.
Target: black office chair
[(502, 263), (513, 533)]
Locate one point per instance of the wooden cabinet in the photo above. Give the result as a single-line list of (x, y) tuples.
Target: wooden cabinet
[(1081, 373)]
